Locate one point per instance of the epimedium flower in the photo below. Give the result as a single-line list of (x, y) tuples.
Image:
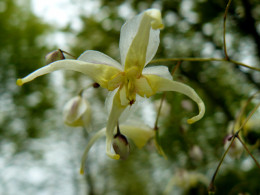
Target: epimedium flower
[(139, 41)]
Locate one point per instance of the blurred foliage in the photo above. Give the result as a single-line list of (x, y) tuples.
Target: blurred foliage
[(21, 50), (192, 29)]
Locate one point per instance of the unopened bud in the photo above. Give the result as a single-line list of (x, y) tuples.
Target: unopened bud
[(54, 56), (77, 112), (121, 146)]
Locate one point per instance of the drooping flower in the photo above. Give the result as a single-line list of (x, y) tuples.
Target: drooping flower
[(140, 134), (139, 41)]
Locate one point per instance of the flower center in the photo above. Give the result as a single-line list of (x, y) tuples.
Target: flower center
[(126, 82), (130, 81)]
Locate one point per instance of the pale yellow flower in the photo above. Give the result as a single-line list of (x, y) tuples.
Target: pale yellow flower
[(138, 44)]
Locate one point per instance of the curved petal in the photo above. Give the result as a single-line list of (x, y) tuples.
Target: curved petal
[(97, 57), (139, 134), (161, 71), (139, 39), (99, 134), (143, 87), (161, 84), (114, 115), (100, 73)]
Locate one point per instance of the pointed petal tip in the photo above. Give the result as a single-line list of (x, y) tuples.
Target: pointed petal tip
[(19, 82)]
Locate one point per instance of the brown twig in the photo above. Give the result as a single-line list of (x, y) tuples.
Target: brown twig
[(244, 145), (224, 31), (236, 135)]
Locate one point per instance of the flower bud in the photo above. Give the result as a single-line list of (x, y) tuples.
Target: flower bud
[(121, 146), (196, 153), (54, 56), (77, 112)]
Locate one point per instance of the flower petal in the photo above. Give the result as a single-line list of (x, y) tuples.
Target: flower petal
[(114, 115), (139, 134), (97, 57), (99, 134), (100, 73), (139, 39), (143, 87), (161, 71), (161, 84)]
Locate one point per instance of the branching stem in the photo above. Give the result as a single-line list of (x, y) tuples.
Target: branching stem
[(205, 60), (236, 135)]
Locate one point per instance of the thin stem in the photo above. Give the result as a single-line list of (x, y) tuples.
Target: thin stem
[(247, 118), (211, 185), (239, 116), (205, 60), (224, 31), (94, 85), (176, 67), (159, 112), (252, 156), (236, 135), (68, 53), (242, 64), (156, 128)]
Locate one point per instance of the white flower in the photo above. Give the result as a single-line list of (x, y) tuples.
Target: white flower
[(139, 41)]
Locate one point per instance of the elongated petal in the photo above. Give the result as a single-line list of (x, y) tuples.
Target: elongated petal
[(115, 113), (139, 39), (99, 134), (139, 134), (161, 84), (100, 73), (161, 71), (97, 57)]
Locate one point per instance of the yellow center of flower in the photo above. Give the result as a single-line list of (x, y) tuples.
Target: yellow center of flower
[(126, 81)]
